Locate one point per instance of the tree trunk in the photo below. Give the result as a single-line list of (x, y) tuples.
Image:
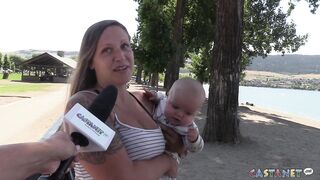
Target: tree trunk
[(166, 78), (222, 123), (154, 79), (145, 77), (139, 74), (172, 73)]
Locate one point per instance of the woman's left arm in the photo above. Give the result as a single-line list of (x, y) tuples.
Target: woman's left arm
[(174, 142)]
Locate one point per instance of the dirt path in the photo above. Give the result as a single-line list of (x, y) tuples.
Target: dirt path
[(27, 118)]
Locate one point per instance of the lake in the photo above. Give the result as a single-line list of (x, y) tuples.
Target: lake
[(296, 102)]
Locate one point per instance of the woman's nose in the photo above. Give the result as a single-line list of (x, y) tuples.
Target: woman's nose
[(118, 55)]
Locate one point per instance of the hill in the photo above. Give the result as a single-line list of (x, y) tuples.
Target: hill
[(27, 54), (292, 64), (287, 64)]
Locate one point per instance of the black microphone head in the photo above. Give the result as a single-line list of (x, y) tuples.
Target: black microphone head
[(102, 106)]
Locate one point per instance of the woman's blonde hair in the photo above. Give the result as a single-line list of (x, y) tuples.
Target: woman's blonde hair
[(84, 77)]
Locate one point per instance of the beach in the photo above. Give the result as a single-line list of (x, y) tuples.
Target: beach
[(270, 141)]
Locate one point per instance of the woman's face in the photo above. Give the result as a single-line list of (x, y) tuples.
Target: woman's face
[(113, 59)]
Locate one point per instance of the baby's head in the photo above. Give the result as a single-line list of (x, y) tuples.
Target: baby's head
[(185, 98)]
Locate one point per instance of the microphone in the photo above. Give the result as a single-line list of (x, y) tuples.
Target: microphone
[(87, 127), (92, 125)]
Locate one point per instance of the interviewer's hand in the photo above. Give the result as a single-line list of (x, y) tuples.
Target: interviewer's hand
[(60, 147), (174, 141)]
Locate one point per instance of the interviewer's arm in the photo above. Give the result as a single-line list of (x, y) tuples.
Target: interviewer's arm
[(19, 161)]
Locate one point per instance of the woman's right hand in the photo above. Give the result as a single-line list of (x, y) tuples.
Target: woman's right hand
[(174, 141), (173, 171)]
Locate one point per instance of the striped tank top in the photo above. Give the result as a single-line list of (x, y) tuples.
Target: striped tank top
[(139, 143)]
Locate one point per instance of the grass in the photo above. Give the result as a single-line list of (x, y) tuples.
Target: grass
[(10, 88), (12, 76)]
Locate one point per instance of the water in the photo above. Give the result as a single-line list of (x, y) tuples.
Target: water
[(296, 102)]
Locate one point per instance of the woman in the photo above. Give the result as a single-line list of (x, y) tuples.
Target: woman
[(106, 58)]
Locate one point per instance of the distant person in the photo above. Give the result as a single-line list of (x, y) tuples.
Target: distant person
[(19, 161), (137, 150)]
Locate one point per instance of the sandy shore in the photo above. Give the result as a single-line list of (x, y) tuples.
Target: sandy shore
[(269, 139)]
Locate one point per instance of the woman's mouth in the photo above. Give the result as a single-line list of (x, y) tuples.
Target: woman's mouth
[(120, 68)]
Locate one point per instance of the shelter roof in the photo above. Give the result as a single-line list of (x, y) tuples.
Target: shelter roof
[(49, 59)]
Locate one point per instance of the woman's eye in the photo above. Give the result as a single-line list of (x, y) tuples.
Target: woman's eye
[(107, 50), (125, 46)]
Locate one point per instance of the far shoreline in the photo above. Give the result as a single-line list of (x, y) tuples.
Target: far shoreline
[(285, 115)]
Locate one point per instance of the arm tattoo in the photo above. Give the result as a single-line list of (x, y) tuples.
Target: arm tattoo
[(99, 157), (93, 157), (115, 145)]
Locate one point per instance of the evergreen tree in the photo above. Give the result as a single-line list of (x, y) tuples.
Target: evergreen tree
[(6, 62), (13, 67), (1, 62), (16, 59)]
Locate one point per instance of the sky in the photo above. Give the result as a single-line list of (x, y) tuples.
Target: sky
[(60, 24)]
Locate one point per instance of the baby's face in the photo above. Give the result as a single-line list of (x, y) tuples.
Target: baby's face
[(180, 110)]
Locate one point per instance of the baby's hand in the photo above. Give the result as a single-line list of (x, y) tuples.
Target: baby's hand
[(151, 95), (192, 134)]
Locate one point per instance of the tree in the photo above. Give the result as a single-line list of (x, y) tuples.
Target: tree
[(154, 47), (13, 67), (222, 123), (1, 62), (17, 60), (199, 66), (198, 36), (6, 62), (177, 59), (139, 56), (265, 29)]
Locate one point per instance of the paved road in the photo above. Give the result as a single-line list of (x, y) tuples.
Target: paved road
[(28, 119)]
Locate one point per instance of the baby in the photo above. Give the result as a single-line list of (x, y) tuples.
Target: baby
[(178, 110)]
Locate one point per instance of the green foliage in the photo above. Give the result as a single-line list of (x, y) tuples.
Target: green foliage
[(199, 66), (35, 55), (183, 75), (199, 24), (266, 29), (6, 62), (152, 43), (264, 23), (17, 60), (1, 62), (161, 77)]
